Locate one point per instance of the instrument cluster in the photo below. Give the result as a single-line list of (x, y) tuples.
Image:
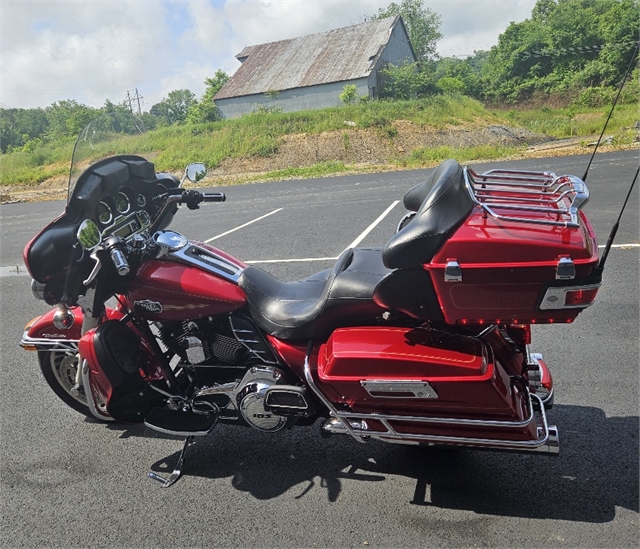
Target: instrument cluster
[(129, 209)]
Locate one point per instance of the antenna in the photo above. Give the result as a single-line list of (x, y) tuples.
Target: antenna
[(614, 230), (615, 102)]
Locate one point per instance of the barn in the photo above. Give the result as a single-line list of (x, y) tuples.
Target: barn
[(310, 72)]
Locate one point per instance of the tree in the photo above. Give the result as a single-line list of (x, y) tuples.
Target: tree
[(406, 82), (423, 26), (173, 108), (19, 126), (349, 94), (565, 47), (205, 110), (67, 118)]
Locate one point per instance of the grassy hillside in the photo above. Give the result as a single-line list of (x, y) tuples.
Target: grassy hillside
[(261, 135)]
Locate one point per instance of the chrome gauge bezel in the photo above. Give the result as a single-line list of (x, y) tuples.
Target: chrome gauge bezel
[(122, 203), (106, 209)]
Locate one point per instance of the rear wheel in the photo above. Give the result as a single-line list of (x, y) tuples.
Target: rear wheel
[(59, 368)]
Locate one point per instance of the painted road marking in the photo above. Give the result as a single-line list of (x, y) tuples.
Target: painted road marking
[(373, 225), (241, 226)]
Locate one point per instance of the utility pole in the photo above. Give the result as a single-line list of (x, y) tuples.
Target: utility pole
[(138, 97), (128, 100)]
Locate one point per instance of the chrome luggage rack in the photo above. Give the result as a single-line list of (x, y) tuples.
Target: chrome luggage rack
[(528, 196)]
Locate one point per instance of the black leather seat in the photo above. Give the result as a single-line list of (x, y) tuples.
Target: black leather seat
[(445, 207), (365, 282), (315, 306)]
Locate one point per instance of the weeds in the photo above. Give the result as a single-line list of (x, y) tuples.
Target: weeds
[(260, 134)]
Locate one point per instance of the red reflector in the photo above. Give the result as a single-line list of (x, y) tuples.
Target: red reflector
[(580, 297)]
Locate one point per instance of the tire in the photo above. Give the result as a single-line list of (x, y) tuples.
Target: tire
[(59, 369)]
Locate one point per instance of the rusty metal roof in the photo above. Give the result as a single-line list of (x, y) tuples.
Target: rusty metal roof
[(332, 56)]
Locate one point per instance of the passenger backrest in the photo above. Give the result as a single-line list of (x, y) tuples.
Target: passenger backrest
[(445, 207)]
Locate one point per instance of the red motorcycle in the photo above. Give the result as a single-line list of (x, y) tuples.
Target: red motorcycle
[(422, 341)]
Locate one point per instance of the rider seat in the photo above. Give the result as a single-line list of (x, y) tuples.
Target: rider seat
[(365, 282), (336, 297)]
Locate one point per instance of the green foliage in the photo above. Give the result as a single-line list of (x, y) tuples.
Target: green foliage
[(67, 118), (349, 94), (206, 110), (565, 47), (429, 156), (173, 108), (423, 26), (406, 82)]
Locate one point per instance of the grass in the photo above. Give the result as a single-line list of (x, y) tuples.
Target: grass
[(261, 134), (573, 122), (429, 156)]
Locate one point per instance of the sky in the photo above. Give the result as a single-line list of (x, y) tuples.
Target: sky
[(94, 50)]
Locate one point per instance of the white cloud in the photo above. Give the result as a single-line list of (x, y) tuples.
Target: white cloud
[(84, 51), (93, 50)]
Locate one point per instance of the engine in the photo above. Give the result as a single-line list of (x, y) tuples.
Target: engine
[(251, 395)]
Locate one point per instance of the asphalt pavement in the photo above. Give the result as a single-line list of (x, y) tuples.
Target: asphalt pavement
[(67, 481)]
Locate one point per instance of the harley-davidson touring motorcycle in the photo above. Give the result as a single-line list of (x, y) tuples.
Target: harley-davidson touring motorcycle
[(424, 340)]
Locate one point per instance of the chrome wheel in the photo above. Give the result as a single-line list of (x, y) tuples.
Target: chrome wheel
[(59, 368)]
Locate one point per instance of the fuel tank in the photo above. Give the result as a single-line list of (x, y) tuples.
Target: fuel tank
[(185, 286)]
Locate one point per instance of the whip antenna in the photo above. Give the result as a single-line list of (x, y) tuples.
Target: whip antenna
[(615, 102), (614, 230)]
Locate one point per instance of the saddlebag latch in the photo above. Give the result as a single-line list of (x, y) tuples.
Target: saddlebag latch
[(452, 272)]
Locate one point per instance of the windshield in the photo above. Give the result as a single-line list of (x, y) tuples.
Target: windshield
[(107, 135)]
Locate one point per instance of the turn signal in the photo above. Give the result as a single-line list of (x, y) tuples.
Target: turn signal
[(581, 297)]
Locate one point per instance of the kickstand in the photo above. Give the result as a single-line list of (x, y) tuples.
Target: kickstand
[(177, 470)]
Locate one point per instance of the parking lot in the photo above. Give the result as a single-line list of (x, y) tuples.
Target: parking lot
[(67, 481)]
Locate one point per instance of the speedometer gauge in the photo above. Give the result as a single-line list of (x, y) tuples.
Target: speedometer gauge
[(122, 203), (105, 215)]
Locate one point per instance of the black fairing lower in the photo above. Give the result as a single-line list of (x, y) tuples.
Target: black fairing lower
[(119, 353)]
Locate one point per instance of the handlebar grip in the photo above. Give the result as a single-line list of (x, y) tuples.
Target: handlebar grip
[(213, 197), (120, 261)]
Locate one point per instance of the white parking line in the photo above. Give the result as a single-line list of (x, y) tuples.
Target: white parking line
[(373, 225), (302, 260), (18, 270), (625, 246), (242, 226)]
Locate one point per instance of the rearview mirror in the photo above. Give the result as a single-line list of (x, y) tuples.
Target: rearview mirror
[(89, 235), (196, 172)]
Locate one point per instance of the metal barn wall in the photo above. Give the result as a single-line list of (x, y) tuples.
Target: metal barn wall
[(398, 51), (298, 99), (395, 50)]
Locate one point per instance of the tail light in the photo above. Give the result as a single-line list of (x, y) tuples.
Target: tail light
[(569, 297)]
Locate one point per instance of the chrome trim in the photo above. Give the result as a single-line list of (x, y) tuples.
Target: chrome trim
[(547, 440), (45, 344), (405, 219), (556, 297), (37, 288), (214, 263), (452, 271), (534, 375), (91, 403), (332, 411), (533, 192), (419, 389), (177, 470), (565, 269)]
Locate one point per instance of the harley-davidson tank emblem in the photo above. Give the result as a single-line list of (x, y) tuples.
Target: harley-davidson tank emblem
[(148, 306)]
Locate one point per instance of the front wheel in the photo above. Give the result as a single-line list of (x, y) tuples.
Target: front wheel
[(59, 368)]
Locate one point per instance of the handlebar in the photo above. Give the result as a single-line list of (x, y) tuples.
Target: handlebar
[(193, 198), (214, 197), (120, 261)]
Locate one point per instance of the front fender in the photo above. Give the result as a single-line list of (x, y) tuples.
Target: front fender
[(41, 334)]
